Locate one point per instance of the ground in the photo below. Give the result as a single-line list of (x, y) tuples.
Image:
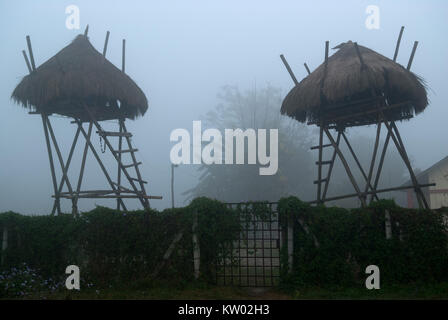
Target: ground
[(413, 291)]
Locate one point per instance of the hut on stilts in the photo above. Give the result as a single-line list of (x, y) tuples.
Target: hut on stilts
[(81, 84), (357, 86)]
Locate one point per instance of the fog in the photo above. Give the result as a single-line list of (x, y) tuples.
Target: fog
[(181, 53)]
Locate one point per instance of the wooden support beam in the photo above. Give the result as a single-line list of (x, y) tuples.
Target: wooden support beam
[(132, 165), (293, 77), (397, 47), (323, 146), (115, 154), (411, 58), (83, 162), (372, 162), (307, 69), (27, 61), (98, 159), (380, 165), (50, 158), (330, 168), (353, 195), (134, 160), (125, 151), (114, 134), (30, 52), (123, 56), (422, 202), (346, 166), (105, 43), (120, 144), (358, 163), (69, 159)]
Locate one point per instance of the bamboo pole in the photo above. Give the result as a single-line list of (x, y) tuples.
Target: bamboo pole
[(346, 166), (92, 148), (411, 58), (105, 43), (293, 77), (397, 47)]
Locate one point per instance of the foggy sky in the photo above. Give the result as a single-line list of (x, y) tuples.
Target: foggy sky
[(181, 53)]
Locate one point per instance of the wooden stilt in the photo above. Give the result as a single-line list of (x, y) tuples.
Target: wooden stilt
[(346, 166), (61, 162), (380, 165), (92, 148), (319, 168), (330, 168), (120, 142), (69, 159), (372, 162), (50, 158), (420, 197)]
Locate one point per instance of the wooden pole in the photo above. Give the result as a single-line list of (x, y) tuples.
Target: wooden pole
[(346, 166), (330, 168), (380, 165), (372, 163), (30, 52), (407, 163), (59, 155), (411, 58), (307, 69), (293, 77), (92, 148), (27, 61), (319, 165), (358, 163), (123, 56), (352, 195), (84, 156), (106, 141), (61, 184), (196, 248), (120, 143), (105, 43), (397, 47), (50, 158), (137, 170)]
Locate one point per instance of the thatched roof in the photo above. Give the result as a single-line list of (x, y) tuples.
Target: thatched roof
[(79, 74), (346, 82)]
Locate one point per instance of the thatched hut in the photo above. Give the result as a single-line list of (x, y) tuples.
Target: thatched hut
[(77, 75), (351, 87)]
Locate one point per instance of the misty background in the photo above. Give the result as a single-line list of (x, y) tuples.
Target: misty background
[(182, 54)]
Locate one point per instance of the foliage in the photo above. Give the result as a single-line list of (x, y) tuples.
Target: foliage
[(350, 240), (116, 250)]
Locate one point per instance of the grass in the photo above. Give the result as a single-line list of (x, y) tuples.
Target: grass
[(204, 292)]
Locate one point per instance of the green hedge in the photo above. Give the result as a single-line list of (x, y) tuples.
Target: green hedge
[(350, 240), (116, 248), (123, 249)]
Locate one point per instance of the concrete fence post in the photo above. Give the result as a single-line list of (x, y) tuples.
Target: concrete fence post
[(290, 243), (196, 248), (388, 225), (4, 243)]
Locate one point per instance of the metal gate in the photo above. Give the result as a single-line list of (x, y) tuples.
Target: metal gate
[(254, 259)]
